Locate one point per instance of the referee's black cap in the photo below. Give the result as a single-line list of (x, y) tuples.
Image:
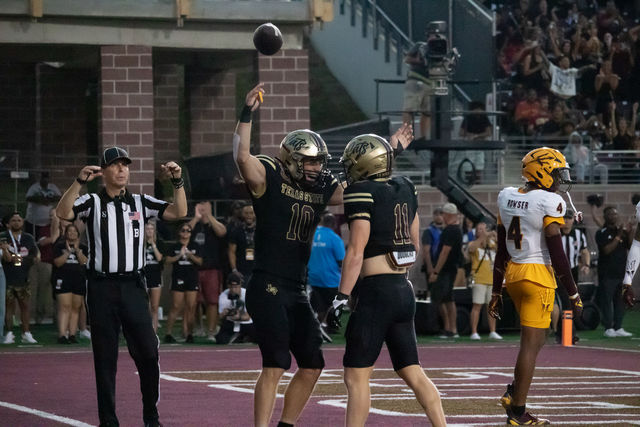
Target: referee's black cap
[(112, 154)]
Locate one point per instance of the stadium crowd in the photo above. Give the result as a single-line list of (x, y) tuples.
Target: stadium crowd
[(571, 68)]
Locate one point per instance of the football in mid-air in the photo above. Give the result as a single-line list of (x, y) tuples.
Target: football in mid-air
[(267, 38)]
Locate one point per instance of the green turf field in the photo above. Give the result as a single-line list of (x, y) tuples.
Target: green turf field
[(46, 335)]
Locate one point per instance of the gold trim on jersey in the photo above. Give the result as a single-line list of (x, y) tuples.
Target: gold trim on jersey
[(541, 274), (551, 219), (370, 200), (350, 195), (499, 220), (267, 159), (360, 215)]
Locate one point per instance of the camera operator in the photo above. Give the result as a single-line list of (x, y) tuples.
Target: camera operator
[(236, 326), (418, 87)]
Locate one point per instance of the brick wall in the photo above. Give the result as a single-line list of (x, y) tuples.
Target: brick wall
[(126, 113), (286, 104), (212, 103), (167, 88)]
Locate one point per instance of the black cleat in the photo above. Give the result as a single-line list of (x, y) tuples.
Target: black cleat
[(169, 339)]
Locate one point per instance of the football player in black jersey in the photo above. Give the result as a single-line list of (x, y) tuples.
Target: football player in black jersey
[(289, 193), (384, 234)]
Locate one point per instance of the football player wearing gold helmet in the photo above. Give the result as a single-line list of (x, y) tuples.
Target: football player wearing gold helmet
[(384, 234), (527, 262), (289, 194)]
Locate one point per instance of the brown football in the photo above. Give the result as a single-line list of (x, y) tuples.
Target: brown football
[(267, 38)]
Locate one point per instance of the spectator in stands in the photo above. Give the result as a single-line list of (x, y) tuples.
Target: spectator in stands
[(417, 88), (208, 232), (241, 244), (153, 270), (482, 252), (613, 242), (443, 275), (622, 134), (69, 278), (41, 197), (185, 255), (535, 74), (527, 111), (554, 126), (325, 262), (606, 83), (563, 77), (581, 160), (430, 240), (17, 261), (236, 325)]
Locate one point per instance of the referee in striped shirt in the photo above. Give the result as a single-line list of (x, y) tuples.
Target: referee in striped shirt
[(116, 290)]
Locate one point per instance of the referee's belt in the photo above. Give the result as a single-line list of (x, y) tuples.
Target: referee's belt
[(131, 275)]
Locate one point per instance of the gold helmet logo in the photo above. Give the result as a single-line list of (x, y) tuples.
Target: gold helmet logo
[(367, 156), (301, 145)]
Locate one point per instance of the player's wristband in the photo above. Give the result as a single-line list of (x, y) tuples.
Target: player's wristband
[(245, 114), (398, 150), (576, 296), (81, 181), (177, 182), (341, 296)]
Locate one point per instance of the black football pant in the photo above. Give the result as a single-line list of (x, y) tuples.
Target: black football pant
[(610, 301), (113, 303)]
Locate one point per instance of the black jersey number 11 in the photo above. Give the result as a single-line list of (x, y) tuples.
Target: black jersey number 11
[(402, 235)]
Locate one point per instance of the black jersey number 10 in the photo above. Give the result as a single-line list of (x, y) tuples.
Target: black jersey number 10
[(300, 225)]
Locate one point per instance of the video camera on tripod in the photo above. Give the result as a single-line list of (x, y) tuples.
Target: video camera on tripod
[(440, 60)]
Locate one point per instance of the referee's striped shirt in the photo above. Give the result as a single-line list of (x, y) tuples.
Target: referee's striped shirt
[(573, 244), (115, 229)]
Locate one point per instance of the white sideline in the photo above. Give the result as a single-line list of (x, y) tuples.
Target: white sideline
[(42, 414)]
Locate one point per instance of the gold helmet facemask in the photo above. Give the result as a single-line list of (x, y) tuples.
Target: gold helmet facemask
[(547, 169), (300, 146), (367, 156)]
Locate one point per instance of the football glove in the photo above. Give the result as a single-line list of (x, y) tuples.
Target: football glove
[(495, 306), (335, 311), (627, 295), (576, 306)]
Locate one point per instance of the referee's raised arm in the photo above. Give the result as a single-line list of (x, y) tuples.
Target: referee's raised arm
[(177, 209), (64, 210)]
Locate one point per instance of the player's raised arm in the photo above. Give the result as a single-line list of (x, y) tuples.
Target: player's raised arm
[(250, 168)]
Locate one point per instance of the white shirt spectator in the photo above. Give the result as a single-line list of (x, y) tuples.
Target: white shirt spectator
[(563, 82)]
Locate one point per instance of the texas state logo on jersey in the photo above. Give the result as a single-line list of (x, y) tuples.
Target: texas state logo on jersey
[(524, 216)]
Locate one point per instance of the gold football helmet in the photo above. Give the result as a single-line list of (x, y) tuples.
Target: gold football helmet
[(301, 145), (547, 169), (367, 156)]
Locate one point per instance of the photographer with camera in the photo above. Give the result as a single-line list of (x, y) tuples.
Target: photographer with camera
[(236, 326)]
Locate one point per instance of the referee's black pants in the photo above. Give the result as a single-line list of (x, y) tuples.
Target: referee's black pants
[(122, 302)]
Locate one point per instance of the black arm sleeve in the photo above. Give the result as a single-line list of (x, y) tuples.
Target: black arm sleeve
[(500, 264), (560, 263)]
